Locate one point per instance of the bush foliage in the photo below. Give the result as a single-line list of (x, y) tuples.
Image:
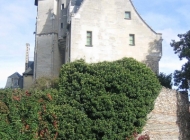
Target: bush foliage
[(25, 116), (44, 83), (108, 100), (115, 96)]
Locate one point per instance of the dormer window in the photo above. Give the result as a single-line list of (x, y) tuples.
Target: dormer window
[(127, 15)]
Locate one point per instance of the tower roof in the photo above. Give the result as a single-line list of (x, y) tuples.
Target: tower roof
[(30, 69), (76, 2), (15, 75), (36, 2)]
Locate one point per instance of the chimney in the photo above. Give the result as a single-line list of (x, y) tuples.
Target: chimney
[(27, 55)]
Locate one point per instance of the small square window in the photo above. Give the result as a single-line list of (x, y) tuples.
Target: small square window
[(132, 39), (127, 15), (89, 38), (61, 25)]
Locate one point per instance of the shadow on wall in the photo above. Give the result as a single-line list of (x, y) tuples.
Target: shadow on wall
[(183, 115), (49, 27), (154, 55)]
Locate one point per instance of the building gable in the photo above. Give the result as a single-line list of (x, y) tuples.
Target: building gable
[(113, 25)]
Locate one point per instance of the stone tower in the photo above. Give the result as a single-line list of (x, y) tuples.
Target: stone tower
[(48, 55)]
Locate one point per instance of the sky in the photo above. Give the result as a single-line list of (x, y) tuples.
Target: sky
[(17, 25)]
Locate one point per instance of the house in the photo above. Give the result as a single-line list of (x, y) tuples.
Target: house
[(14, 81), (94, 30), (25, 81)]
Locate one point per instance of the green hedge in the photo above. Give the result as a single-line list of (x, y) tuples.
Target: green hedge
[(102, 101)]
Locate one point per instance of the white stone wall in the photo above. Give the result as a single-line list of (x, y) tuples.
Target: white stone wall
[(110, 33)]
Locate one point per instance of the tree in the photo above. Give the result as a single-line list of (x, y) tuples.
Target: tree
[(165, 80), (182, 48)]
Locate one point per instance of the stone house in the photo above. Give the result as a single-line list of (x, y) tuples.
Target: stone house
[(26, 80), (14, 81), (101, 30)]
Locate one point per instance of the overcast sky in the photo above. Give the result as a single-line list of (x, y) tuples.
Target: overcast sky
[(17, 24)]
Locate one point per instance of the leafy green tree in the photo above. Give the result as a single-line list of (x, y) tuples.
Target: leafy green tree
[(182, 48), (165, 80)]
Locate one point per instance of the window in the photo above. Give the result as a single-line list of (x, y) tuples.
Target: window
[(132, 39), (61, 25), (127, 15), (62, 6), (89, 38)]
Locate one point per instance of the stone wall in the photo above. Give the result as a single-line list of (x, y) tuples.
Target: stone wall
[(27, 81), (48, 58), (183, 116), (170, 119)]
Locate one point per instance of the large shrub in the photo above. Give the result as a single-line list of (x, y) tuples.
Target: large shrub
[(115, 97), (45, 83)]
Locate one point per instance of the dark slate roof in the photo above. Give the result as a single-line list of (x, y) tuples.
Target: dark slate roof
[(30, 69), (36, 2), (76, 2), (73, 2), (15, 75)]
